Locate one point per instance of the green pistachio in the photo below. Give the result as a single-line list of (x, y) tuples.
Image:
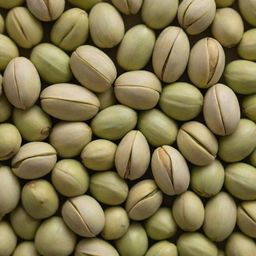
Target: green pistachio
[(253, 158), (10, 3), (8, 239), (247, 9), (128, 7), (5, 109), (246, 47), (224, 3), (86, 5), (107, 98), (163, 248), (25, 249), (249, 107)]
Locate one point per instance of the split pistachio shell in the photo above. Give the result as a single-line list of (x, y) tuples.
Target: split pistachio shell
[(194, 244), (207, 180), (230, 150), (206, 62), (39, 199), (8, 51), (46, 10), (86, 5), (188, 211), (108, 188), (99, 155), (247, 46), (93, 68), (170, 170), (220, 217), (240, 179), (163, 248), (228, 27), (157, 127), (2, 24), (128, 7), (95, 246), (134, 242), (247, 9), (69, 102), (106, 25), (195, 16), (116, 224), (114, 122), (249, 107), (171, 54), (69, 138), (9, 191), (8, 239), (224, 3), (107, 98), (33, 123), (53, 237), (83, 215), (143, 200), (10, 3), (5, 109), (22, 83), (161, 224), (197, 144), (136, 47), (253, 158), (70, 178), (132, 156), (138, 89), (181, 101), (23, 224), (221, 110), (26, 248), (52, 63), (23, 27)]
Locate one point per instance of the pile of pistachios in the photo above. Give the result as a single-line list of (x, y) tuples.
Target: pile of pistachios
[(128, 127)]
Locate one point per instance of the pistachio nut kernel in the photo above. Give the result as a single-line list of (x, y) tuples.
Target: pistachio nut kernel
[(143, 200), (23, 27), (197, 144), (106, 25), (246, 47), (163, 248), (46, 10), (136, 47), (171, 54), (224, 3), (246, 218), (247, 9), (128, 7), (170, 170), (25, 248), (138, 89), (69, 102), (10, 3), (8, 239), (107, 98), (249, 107), (5, 109), (22, 83), (206, 62), (195, 16), (221, 110), (83, 215), (71, 29), (132, 156), (93, 68)]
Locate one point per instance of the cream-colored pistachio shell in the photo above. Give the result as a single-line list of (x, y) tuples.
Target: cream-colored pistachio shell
[(221, 110), (10, 3), (143, 200), (253, 158), (206, 62), (22, 83), (128, 6), (220, 217), (247, 46), (227, 27), (247, 9), (170, 170), (107, 98), (1, 85), (195, 16), (224, 3), (46, 10), (83, 215), (163, 248), (171, 54), (5, 109), (106, 25), (197, 143), (138, 89), (132, 156), (8, 239), (93, 68), (69, 102), (2, 24), (26, 248)]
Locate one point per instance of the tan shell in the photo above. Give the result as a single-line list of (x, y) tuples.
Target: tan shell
[(128, 6)]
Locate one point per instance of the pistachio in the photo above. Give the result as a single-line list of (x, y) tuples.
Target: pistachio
[(1, 82), (106, 25), (138, 89), (10, 3), (86, 5), (221, 110), (8, 239), (197, 144), (253, 158), (107, 98), (247, 9), (170, 170), (171, 54), (136, 47), (195, 16), (25, 248), (163, 248), (224, 3), (5, 109), (22, 84), (249, 107), (143, 200), (206, 62), (23, 27), (93, 68), (71, 30), (83, 215), (69, 102), (2, 24), (132, 156), (246, 47), (128, 6)]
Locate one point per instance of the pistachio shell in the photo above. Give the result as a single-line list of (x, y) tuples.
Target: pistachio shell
[(8, 239), (247, 45), (170, 170), (25, 248), (253, 158), (2, 24), (132, 156), (171, 54), (163, 248), (247, 9), (1, 82), (10, 3), (128, 6), (249, 107), (5, 109), (107, 98), (86, 5), (143, 200), (224, 3)]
